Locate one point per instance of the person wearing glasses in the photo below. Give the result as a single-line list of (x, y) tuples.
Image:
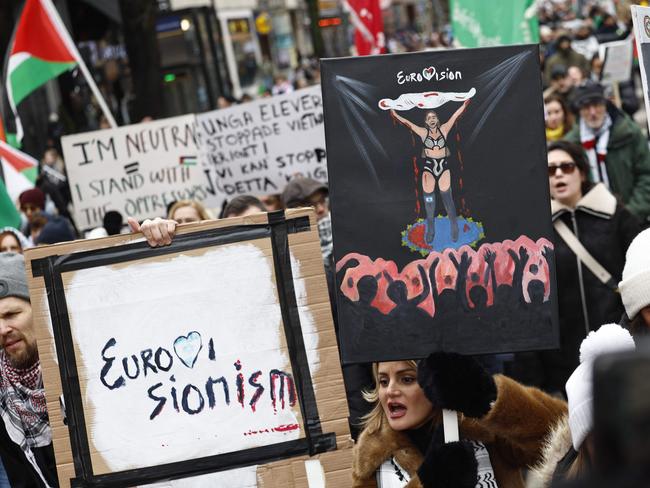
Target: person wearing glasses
[(606, 229)]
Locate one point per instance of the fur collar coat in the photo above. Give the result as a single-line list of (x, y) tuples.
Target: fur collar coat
[(513, 432), (556, 446)]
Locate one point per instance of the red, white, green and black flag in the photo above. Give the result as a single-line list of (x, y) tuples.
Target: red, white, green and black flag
[(19, 171), (366, 17), (41, 49)]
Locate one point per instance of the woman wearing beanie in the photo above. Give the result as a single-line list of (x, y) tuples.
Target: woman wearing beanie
[(568, 448), (605, 228), (635, 285)]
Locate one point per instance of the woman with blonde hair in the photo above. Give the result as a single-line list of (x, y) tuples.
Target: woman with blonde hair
[(184, 211), (502, 424)]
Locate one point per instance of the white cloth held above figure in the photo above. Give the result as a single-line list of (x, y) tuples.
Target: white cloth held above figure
[(424, 100)]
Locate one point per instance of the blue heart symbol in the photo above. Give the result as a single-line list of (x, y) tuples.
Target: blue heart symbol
[(187, 348)]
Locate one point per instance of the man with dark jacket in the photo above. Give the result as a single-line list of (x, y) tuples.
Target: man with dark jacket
[(565, 56), (25, 434), (616, 147)]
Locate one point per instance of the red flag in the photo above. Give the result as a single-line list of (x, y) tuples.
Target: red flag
[(368, 23)]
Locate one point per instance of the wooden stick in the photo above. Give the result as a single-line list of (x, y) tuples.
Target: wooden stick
[(617, 94), (450, 425)]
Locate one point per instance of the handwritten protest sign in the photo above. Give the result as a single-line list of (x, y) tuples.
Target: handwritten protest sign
[(137, 169), (215, 353), (617, 61), (248, 149), (255, 148), (641, 23)]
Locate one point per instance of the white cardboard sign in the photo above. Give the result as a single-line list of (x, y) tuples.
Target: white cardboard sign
[(136, 169), (618, 57), (255, 148), (157, 376)]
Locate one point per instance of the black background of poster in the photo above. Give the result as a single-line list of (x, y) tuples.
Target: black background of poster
[(504, 184)]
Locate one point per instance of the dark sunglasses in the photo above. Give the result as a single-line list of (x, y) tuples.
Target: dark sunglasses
[(566, 168)]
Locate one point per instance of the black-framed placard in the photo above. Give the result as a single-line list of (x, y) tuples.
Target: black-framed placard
[(440, 203), (186, 359)]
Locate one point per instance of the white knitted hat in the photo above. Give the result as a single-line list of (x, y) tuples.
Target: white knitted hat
[(635, 285), (579, 388)]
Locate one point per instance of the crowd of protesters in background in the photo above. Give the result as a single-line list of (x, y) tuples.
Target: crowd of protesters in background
[(599, 174)]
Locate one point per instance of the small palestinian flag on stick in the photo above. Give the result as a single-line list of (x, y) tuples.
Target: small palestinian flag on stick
[(20, 171)]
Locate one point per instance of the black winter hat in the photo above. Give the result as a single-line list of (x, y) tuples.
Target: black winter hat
[(57, 229), (588, 92)]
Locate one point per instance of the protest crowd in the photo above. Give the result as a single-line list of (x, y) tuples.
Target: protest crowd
[(526, 418)]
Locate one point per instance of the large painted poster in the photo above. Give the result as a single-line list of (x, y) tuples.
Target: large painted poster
[(205, 356), (440, 203)]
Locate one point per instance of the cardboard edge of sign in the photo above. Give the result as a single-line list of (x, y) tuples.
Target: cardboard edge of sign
[(328, 388)]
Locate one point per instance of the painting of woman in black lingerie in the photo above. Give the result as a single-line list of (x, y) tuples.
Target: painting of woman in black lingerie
[(438, 182), (435, 172)]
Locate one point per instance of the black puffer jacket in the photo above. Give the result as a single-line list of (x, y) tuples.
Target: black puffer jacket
[(605, 228)]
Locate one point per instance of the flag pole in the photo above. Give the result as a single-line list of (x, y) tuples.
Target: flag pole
[(97, 93), (82, 66)]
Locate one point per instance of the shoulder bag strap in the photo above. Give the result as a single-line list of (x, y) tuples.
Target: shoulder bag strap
[(588, 260)]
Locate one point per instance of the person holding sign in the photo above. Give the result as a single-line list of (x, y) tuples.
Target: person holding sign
[(502, 424), (435, 166)]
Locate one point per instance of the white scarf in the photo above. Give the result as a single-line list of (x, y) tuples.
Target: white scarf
[(595, 145)]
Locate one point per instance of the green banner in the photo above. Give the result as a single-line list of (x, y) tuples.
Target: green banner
[(483, 23)]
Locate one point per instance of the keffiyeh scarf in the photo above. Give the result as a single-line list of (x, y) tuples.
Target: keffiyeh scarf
[(595, 145), (325, 235), (391, 475), (23, 408)]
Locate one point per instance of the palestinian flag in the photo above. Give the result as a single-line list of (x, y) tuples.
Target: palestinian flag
[(41, 49), (19, 169), (9, 215)]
